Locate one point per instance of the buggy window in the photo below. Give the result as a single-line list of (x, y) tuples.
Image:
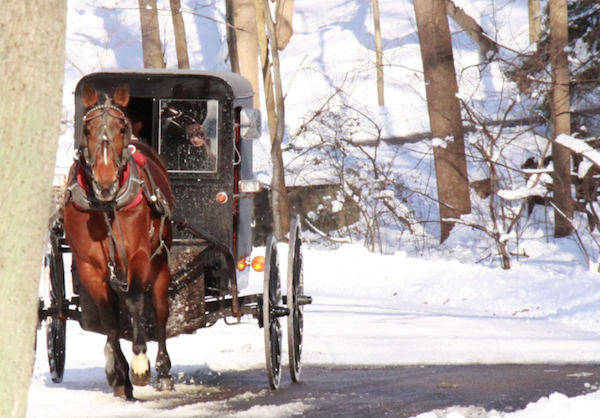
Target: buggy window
[(188, 135)]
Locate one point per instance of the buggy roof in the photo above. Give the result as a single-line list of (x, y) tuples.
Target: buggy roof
[(182, 84)]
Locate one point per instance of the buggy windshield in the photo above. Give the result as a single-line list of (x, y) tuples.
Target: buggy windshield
[(188, 135)]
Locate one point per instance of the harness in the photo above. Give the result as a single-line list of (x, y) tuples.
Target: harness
[(132, 190)]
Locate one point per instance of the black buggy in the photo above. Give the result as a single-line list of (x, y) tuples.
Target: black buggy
[(203, 125)]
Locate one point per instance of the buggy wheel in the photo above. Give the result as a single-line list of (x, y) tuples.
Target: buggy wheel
[(272, 311), (56, 323), (294, 299)]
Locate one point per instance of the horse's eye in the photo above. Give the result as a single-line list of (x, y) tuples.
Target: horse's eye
[(86, 131), (123, 131)]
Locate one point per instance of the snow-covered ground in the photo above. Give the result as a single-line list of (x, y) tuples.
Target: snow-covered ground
[(374, 310), (442, 305)]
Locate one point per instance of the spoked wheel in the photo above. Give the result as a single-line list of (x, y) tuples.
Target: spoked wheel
[(56, 322), (295, 300), (272, 310)]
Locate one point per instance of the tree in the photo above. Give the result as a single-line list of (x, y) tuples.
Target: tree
[(487, 46), (151, 45), (234, 60), (244, 20), (183, 60), (444, 111), (561, 117), (535, 27), (379, 53), (32, 47), (276, 114), (284, 15)]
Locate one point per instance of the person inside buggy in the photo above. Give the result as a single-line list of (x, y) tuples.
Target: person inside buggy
[(188, 137)]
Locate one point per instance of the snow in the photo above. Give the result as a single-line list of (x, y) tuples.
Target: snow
[(436, 305), (408, 310)]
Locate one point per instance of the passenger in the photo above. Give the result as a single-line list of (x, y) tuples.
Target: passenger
[(184, 143)]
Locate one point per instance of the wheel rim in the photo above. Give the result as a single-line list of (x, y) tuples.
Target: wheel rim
[(56, 337), (56, 333), (272, 300), (295, 288)]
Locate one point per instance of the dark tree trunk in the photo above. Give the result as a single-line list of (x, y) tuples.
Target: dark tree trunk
[(444, 111), (561, 117), (234, 60)]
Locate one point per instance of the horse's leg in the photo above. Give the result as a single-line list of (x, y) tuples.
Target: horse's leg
[(140, 365), (160, 294), (116, 368)]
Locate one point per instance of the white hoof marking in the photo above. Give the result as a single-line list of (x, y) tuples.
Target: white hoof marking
[(140, 364)]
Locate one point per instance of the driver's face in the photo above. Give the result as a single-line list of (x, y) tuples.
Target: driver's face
[(195, 134)]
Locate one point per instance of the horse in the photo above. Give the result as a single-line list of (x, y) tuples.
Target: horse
[(117, 224)]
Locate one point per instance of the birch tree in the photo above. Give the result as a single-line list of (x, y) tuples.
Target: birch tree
[(444, 112), (32, 47)]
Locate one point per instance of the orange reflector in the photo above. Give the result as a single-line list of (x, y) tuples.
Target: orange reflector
[(221, 198), (258, 263), (242, 264)]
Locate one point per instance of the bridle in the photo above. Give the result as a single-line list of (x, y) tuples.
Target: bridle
[(103, 140)]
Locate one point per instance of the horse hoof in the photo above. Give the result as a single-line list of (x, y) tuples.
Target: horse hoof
[(140, 370), (164, 384), (123, 392), (140, 379)]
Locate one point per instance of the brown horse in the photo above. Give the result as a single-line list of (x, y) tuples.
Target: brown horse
[(117, 223)]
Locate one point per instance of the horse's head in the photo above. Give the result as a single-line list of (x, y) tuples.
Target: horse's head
[(105, 139)]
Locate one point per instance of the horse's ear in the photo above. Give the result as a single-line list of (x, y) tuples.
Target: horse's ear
[(90, 96), (121, 97)]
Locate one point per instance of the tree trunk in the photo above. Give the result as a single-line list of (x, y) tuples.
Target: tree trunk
[(444, 111), (151, 45), (535, 27), (379, 53), (244, 17), (487, 46), (265, 63), (183, 60), (284, 16), (561, 117), (234, 60), (279, 200), (32, 47)]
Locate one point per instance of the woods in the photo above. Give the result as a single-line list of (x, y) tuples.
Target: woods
[(486, 137), (256, 31)]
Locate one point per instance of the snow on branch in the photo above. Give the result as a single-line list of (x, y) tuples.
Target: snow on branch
[(579, 146)]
